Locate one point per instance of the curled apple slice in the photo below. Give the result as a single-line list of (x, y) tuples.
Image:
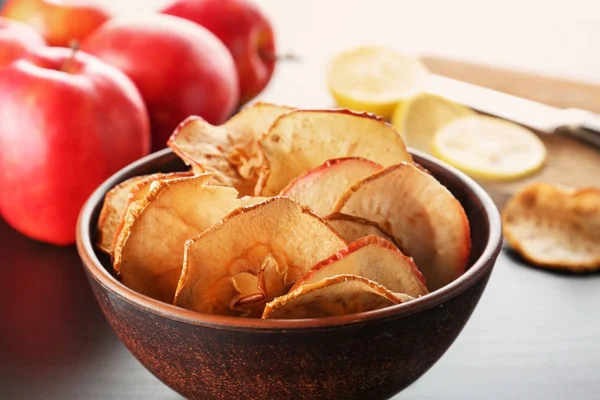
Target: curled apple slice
[(352, 228), (206, 148), (422, 215), (116, 202), (303, 139), (320, 187), (148, 254), (230, 151), (554, 226), (336, 295), (269, 245), (246, 128), (373, 258)]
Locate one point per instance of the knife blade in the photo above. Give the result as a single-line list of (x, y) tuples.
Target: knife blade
[(540, 117)]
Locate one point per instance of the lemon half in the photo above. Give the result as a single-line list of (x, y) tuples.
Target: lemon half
[(490, 148), (417, 119), (374, 79)]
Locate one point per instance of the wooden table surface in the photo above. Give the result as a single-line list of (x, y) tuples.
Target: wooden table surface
[(534, 335)]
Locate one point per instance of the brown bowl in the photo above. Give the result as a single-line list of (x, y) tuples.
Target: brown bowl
[(370, 355)]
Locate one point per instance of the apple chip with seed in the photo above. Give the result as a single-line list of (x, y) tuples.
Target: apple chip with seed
[(373, 258), (116, 202), (148, 254), (336, 295), (321, 187), (253, 255), (554, 226), (422, 215), (301, 140), (352, 228), (230, 151)]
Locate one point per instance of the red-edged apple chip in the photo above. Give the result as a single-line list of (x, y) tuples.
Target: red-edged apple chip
[(229, 151), (304, 139), (554, 226), (265, 248), (149, 249), (322, 186), (352, 228), (373, 258), (424, 218), (336, 295), (116, 202)]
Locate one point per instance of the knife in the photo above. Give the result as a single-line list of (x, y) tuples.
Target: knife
[(540, 117)]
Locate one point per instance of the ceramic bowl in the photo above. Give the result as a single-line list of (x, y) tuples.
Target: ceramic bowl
[(370, 355)]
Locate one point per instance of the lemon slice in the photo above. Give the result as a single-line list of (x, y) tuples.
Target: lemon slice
[(374, 79), (418, 118), (489, 148)]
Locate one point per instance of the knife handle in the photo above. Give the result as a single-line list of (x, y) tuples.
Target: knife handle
[(588, 135), (584, 125)]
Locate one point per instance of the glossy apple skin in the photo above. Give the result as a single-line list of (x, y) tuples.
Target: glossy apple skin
[(246, 32), (17, 40), (180, 68), (58, 22), (61, 135)]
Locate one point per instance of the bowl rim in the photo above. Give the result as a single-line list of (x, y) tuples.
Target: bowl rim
[(110, 283)]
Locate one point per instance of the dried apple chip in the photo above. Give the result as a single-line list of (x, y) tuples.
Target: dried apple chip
[(275, 242), (303, 139), (149, 249), (336, 295), (554, 226), (116, 202), (206, 147), (247, 127), (230, 151), (352, 228), (320, 187), (373, 258), (141, 189), (424, 218)]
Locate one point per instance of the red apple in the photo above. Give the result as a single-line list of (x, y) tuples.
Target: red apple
[(246, 32), (180, 68), (16, 40), (58, 22), (67, 122)]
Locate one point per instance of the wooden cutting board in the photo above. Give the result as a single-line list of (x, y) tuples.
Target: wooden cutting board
[(570, 162)]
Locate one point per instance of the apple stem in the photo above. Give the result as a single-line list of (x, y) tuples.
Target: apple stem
[(68, 63), (285, 57)]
